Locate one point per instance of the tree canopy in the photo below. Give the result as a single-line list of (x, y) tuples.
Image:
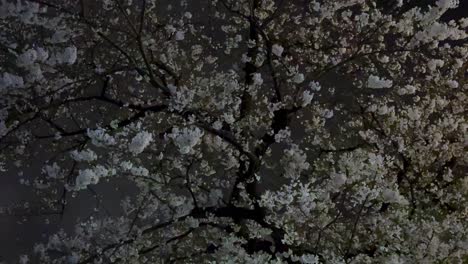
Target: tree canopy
[(253, 131)]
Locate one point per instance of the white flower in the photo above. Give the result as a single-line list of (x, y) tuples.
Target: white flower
[(257, 79), (410, 89), (192, 222), (434, 64), (307, 98), (309, 259), (383, 110), (188, 15), (99, 137), (11, 81), (139, 171), (384, 59), (391, 196), (53, 171), (298, 78), (69, 55), (140, 142), (126, 165), (229, 118), (327, 114), (245, 58), (294, 162), (414, 114), (27, 58), (177, 201), (394, 258), (196, 50), (277, 50), (376, 82), (180, 35), (90, 176), (402, 91), (170, 29), (23, 259), (186, 138), (315, 86), (85, 178), (338, 179), (214, 196), (35, 73), (447, 4), (452, 84), (181, 97), (42, 54), (282, 135), (84, 155), (60, 36)]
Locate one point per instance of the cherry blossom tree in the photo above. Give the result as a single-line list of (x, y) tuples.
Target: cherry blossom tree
[(255, 131)]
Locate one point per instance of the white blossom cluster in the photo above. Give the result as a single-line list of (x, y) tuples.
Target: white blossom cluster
[(91, 176), (307, 97), (376, 82), (134, 170), (84, 155), (8, 81), (140, 142), (294, 162), (67, 56), (186, 138), (277, 50), (182, 97), (53, 171), (100, 137)]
